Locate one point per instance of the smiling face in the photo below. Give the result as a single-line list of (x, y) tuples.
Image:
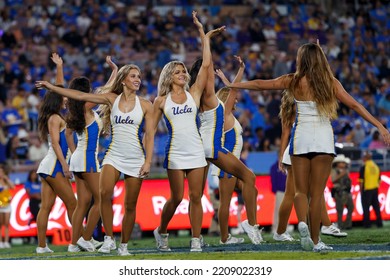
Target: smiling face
[(133, 80), (179, 75)]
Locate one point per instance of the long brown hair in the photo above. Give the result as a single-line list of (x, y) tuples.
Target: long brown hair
[(312, 64)]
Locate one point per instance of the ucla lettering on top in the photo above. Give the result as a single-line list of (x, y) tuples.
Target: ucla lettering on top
[(177, 110), (127, 120)]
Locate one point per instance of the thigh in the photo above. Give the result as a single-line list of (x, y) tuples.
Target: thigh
[(109, 176), (195, 180), (176, 182), (92, 182), (300, 167), (231, 164), (83, 193), (48, 195), (62, 187), (320, 168)]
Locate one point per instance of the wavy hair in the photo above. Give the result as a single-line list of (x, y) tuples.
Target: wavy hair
[(312, 64), (287, 109), (223, 94), (75, 119), (165, 80), (51, 105), (116, 87)]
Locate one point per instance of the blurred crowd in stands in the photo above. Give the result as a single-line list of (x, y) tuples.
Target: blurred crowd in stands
[(355, 36)]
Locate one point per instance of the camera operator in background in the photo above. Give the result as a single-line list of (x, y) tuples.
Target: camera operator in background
[(341, 191)]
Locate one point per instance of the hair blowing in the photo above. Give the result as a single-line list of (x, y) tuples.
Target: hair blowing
[(312, 64)]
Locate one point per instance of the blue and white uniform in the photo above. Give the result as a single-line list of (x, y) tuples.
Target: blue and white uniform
[(125, 151), (211, 131), (50, 165), (311, 133), (184, 149), (84, 158), (233, 143)]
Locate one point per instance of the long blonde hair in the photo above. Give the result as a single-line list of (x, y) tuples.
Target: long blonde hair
[(287, 109), (312, 64), (223, 94), (115, 86), (165, 80)]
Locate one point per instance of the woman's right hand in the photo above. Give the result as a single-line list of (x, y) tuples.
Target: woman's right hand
[(56, 59)]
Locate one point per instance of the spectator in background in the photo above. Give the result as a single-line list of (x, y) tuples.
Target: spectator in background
[(5, 206), (278, 184), (376, 141), (37, 149), (357, 134), (369, 180), (11, 119), (33, 189), (341, 191)]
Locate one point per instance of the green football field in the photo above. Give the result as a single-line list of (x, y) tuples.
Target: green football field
[(361, 243)]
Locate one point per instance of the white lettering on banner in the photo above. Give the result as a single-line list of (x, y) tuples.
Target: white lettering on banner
[(385, 179), (158, 204), (387, 202), (183, 207), (24, 213), (117, 216)]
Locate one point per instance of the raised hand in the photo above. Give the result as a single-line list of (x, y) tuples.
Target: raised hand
[(56, 59), (216, 31), (240, 61), (198, 24), (222, 76), (109, 61)]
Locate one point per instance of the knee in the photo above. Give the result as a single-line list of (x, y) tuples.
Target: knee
[(105, 194), (195, 197)]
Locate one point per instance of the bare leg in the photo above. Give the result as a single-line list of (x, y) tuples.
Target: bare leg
[(232, 165), (92, 180), (226, 188), (108, 178), (195, 186), (176, 182), (287, 202), (133, 187)]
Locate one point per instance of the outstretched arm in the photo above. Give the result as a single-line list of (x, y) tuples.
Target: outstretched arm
[(75, 94), (348, 100), (281, 82), (60, 80)]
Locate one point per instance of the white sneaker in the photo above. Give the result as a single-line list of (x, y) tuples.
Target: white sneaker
[(122, 250), (232, 240), (333, 230), (202, 242), (73, 248), (253, 232), (108, 245), (306, 242), (86, 245), (43, 250), (196, 245), (322, 247), (96, 243), (283, 237), (6, 245), (161, 241)]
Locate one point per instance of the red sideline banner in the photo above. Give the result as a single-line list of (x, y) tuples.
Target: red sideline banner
[(154, 193)]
